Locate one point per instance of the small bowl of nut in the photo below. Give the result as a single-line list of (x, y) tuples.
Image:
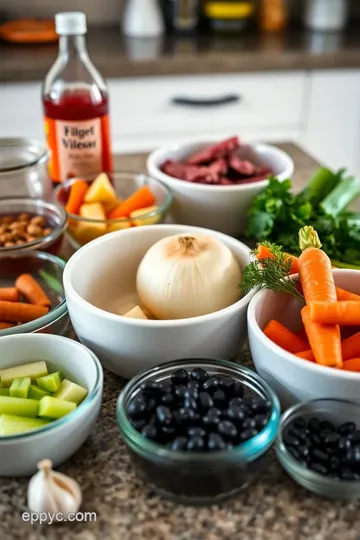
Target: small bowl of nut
[(31, 224)]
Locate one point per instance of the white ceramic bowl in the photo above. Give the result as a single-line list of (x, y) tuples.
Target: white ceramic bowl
[(99, 283), (19, 454), (222, 208), (292, 378)]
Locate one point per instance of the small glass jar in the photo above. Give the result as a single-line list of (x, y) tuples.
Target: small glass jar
[(24, 169), (199, 477), (230, 16)]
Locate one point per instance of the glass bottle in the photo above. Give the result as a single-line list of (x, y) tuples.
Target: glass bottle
[(76, 106)]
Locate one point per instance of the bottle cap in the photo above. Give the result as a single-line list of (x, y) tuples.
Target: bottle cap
[(70, 23)]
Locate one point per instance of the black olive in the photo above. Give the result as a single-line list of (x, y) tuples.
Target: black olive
[(139, 424), (299, 433), (196, 431), (185, 416), (169, 431), (199, 374), (315, 438), (166, 387), (346, 428), (347, 474), (205, 400), (237, 402), (216, 442), (261, 420), (195, 444), (260, 406), (299, 423), (248, 434), (331, 438), (318, 467), (344, 444), (293, 451), (353, 455), (150, 432), (249, 423), (334, 463), (163, 415), (227, 429), (178, 444), (180, 391), (137, 407), (326, 425), (237, 414), (354, 436), (219, 398), (319, 455), (190, 403), (194, 386), (238, 389), (151, 405), (226, 383), (180, 376), (168, 400), (314, 425), (191, 393), (211, 384), (211, 420), (291, 441), (303, 451), (150, 387)]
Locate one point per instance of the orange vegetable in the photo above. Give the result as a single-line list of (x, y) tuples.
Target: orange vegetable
[(10, 294), (345, 313), (4, 325), (76, 196), (19, 312), (324, 341), (343, 295), (302, 335), (351, 347), (306, 355), (352, 365), (140, 199), (263, 252), (32, 291), (283, 337)]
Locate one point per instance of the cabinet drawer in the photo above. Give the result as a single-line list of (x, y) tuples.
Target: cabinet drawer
[(145, 105)]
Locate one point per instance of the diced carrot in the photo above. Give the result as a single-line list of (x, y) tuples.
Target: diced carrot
[(140, 199), (324, 341), (352, 365), (76, 196), (345, 295), (32, 291), (302, 335), (20, 312), (345, 313), (351, 347), (4, 325), (263, 252), (10, 294), (306, 355), (283, 337)]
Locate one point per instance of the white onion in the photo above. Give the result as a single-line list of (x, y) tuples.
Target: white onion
[(188, 275)]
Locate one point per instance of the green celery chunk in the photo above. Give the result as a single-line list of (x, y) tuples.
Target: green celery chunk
[(11, 424), (4, 391), (70, 391), (33, 370), (37, 393), (51, 382), (320, 185), (20, 387), (19, 406), (51, 407), (340, 197)]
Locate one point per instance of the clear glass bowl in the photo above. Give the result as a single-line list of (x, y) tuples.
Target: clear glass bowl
[(48, 270), (199, 477), (54, 215), (81, 230), (337, 412)]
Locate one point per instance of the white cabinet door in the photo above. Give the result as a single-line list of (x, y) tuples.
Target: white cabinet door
[(21, 111), (332, 131)]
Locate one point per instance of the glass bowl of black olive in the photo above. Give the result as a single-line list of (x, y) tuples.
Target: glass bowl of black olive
[(198, 430), (318, 444)]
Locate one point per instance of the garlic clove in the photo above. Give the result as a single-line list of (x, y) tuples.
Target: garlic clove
[(53, 492)]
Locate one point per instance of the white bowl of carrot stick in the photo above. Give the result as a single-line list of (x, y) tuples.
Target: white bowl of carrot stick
[(308, 348), (32, 297)]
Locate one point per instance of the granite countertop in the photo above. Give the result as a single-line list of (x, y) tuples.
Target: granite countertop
[(117, 56), (272, 508)]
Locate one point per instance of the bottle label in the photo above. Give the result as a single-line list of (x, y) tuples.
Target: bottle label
[(77, 147)]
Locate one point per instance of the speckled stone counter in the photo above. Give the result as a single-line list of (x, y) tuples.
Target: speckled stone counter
[(273, 508)]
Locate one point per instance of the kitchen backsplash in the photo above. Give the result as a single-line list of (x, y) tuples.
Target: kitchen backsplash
[(101, 11)]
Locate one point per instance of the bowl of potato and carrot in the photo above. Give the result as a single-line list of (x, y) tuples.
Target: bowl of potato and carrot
[(32, 297), (103, 203), (304, 323)]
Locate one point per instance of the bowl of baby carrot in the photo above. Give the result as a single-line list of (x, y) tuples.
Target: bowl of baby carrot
[(31, 293), (108, 202), (304, 323)]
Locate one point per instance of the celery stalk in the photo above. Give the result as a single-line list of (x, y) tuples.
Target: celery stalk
[(70, 391), (33, 370), (11, 425), (37, 393), (339, 264), (320, 185), (51, 382), (19, 406), (340, 197), (20, 387), (51, 407), (4, 391)]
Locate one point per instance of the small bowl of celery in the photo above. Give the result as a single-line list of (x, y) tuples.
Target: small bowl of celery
[(50, 397)]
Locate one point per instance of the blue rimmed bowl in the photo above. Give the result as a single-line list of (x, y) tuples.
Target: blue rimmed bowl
[(57, 441), (199, 477)]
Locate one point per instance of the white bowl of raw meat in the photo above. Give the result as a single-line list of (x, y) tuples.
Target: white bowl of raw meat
[(292, 377), (214, 182)]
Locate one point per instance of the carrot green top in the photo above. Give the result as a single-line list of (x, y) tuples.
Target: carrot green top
[(308, 237)]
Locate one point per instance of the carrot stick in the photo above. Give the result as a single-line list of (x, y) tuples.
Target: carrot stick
[(302, 335), (76, 196), (20, 312), (324, 341), (346, 313), (10, 294), (352, 365), (351, 347), (343, 295), (306, 355), (4, 325), (284, 338), (32, 291), (140, 199), (263, 252)]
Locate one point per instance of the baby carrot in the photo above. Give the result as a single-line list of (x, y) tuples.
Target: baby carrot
[(264, 252), (346, 313), (32, 291), (324, 341), (284, 338), (76, 196), (306, 355), (351, 347), (4, 325), (140, 199), (352, 365), (343, 295), (10, 294), (19, 312)]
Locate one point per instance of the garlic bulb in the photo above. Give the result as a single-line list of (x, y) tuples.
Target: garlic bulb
[(52, 492), (188, 275)]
